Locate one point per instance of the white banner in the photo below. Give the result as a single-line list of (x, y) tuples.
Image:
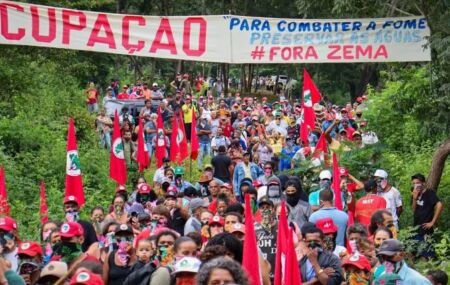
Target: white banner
[(231, 39)]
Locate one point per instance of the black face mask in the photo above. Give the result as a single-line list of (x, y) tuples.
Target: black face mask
[(293, 198), (314, 245)]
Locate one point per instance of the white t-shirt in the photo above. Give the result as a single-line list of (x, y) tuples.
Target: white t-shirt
[(393, 199)]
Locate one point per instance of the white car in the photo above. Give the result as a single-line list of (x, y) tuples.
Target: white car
[(283, 79)]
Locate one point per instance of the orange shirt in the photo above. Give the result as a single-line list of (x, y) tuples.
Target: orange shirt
[(147, 94)]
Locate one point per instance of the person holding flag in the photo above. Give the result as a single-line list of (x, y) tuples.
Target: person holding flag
[(310, 96), (74, 183)]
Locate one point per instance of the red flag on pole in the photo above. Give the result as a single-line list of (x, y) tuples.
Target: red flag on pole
[(117, 166), (250, 259), (174, 144), (142, 154), (286, 265), (321, 150), (4, 205), (183, 147), (74, 183), (43, 205), (160, 150), (336, 183), (194, 139), (310, 96)]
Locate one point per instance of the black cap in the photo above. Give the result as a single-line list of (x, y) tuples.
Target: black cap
[(265, 200), (390, 247)]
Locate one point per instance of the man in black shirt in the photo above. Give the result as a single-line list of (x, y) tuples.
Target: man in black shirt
[(425, 204), (221, 163)]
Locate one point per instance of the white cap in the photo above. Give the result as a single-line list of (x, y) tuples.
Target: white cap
[(381, 173), (155, 84), (325, 174), (187, 264)]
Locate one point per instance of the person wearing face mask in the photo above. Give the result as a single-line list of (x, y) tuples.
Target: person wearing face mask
[(72, 213), (266, 232), (70, 247), (46, 230), (118, 213), (186, 270), (390, 194), (357, 270), (30, 261), (328, 210), (330, 230), (324, 184), (319, 266), (391, 255), (296, 199), (367, 205), (165, 241)]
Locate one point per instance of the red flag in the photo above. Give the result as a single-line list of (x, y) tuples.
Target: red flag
[(286, 265), (117, 166), (310, 96), (194, 139), (4, 205), (321, 148), (183, 147), (142, 154), (174, 146), (250, 259), (74, 183), (336, 183), (160, 150), (43, 205)]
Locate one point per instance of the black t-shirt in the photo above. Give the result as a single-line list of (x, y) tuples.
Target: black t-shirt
[(221, 162), (425, 208), (177, 222), (89, 235), (267, 242)]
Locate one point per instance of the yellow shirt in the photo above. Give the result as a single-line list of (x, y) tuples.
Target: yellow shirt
[(187, 112)]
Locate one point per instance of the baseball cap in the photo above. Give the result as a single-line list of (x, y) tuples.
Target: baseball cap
[(216, 220), (71, 229), (144, 189), (327, 225), (265, 200), (238, 227), (30, 248), (226, 185), (325, 174), (53, 271), (136, 208), (87, 278), (359, 261), (390, 247), (204, 178), (197, 203), (356, 133), (8, 224), (179, 170), (72, 199), (208, 166), (124, 228), (343, 171), (381, 173), (187, 264), (172, 192), (155, 84), (121, 188), (388, 279)]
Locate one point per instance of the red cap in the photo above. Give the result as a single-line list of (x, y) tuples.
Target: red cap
[(344, 110), (359, 99), (216, 220), (327, 225), (364, 97), (144, 189), (121, 188), (71, 229), (87, 278), (264, 98), (71, 198), (30, 248), (257, 183), (359, 261), (343, 171), (226, 185), (8, 224)]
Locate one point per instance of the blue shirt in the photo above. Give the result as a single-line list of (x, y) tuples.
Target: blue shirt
[(340, 219), (408, 275)]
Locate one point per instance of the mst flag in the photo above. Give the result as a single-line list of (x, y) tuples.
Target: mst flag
[(74, 183), (143, 158), (117, 166), (43, 205), (336, 183), (182, 140), (174, 147), (321, 151), (160, 149), (310, 96), (194, 139), (4, 205), (250, 259)]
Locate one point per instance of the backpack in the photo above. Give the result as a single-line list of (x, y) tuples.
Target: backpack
[(142, 276)]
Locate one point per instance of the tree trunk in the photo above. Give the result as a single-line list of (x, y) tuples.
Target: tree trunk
[(225, 78), (242, 78), (438, 164)]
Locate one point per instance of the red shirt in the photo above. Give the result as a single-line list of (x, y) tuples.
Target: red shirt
[(367, 206), (123, 96), (227, 130)]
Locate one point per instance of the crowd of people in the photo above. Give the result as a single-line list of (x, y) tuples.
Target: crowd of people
[(173, 230)]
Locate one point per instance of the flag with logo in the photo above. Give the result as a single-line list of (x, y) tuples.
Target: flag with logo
[(74, 183), (310, 96), (182, 141), (250, 256), (174, 145), (194, 139), (321, 151), (43, 209), (4, 205), (160, 150), (286, 265), (336, 183), (143, 158), (117, 165)]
